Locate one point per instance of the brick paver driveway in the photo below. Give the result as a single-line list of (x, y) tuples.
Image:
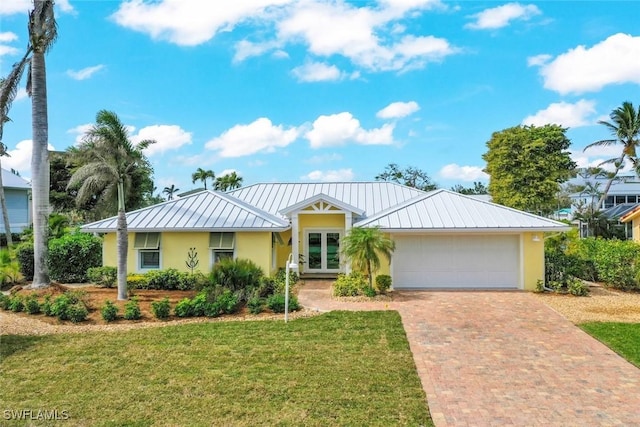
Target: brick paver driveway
[(505, 358)]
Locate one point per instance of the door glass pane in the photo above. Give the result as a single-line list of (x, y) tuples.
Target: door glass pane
[(333, 251), (315, 250)]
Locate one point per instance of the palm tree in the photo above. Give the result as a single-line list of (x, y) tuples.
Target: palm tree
[(625, 126), (8, 92), (202, 175), (363, 247), (230, 181), (111, 161), (170, 191), (42, 34)]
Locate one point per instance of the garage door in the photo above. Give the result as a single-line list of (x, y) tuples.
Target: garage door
[(446, 261)]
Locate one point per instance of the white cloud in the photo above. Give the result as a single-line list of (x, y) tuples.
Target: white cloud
[(258, 136), (167, 137), (538, 60), (84, 73), (14, 6), (189, 22), (8, 37), (329, 176), (594, 156), (21, 94), (501, 16), (564, 114), (463, 173), (396, 110), (583, 69), (80, 132), (10, 7), (317, 72), (246, 49), (20, 158), (362, 35), (338, 129)]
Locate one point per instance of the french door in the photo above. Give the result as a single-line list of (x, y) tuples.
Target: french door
[(322, 251)]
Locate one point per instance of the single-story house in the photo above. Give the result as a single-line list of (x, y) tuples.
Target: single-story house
[(632, 217), (443, 239), (16, 193)]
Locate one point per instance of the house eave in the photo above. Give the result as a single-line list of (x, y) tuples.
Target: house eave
[(187, 230), (478, 230)]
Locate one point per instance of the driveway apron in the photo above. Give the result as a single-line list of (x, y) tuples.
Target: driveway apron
[(505, 358)]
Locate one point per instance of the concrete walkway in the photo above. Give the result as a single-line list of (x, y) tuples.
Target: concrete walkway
[(505, 359)]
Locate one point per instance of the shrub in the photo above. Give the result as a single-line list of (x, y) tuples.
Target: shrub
[(539, 286), (109, 311), (71, 255), (136, 281), (24, 254), (240, 276), (212, 309), (369, 292), (192, 281), (16, 304), (383, 283), (5, 301), (31, 304), (183, 308), (167, 280), (616, 262), (103, 276), (349, 285), (199, 304), (276, 303), (161, 309), (9, 267), (60, 306), (77, 312), (47, 306), (578, 288), (228, 302), (132, 309), (255, 304)]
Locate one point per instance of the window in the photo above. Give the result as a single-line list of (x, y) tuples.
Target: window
[(222, 246), (148, 247)]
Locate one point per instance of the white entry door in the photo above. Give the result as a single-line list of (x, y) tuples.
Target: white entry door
[(322, 251)]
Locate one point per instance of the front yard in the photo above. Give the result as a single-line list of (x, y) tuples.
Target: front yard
[(340, 368)]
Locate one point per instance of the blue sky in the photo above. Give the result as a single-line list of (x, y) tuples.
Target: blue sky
[(326, 90)]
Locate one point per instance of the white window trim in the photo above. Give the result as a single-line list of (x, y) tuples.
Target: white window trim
[(213, 251), (139, 260)]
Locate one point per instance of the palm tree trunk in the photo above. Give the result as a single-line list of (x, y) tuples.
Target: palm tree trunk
[(603, 197), (123, 244), (369, 273), (40, 169), (5, 212)]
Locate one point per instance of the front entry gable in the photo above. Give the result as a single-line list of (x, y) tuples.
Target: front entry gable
[(321, 203)]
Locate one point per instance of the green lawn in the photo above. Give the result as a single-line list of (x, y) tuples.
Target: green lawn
[(623, 338), (340, 368)]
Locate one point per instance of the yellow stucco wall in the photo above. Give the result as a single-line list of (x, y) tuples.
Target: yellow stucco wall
[(283, 251), (636, 229), (255, 246), (532, 259)]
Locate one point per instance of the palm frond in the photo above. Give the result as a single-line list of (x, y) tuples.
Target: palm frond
[(9, 88), (43, 29)]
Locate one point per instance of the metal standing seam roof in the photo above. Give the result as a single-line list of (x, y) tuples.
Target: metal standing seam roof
[(445, 210), (206, 210), (11, 180), (369, 197)]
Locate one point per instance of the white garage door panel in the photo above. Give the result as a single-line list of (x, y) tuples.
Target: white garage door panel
[(447, 261)]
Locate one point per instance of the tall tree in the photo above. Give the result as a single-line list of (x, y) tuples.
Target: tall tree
[(43, 32), (625, 127), (202, 175), (170, 191), (409, 176), (8, 92), (526, 165), (230, 181), (111, 161), (363, 247)]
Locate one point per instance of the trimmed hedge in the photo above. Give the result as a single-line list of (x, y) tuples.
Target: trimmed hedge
[(71, 255)]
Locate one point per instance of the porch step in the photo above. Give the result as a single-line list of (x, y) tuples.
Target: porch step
[(322, 276)]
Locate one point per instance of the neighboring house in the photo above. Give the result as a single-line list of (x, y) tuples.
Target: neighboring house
[(443, 239), (16, 192), (632, 217), (625, 189)]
